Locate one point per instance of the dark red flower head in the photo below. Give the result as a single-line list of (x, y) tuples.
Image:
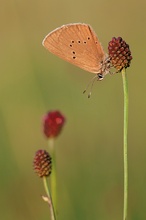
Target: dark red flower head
[(42, 163), (119, 53), (53, 123)]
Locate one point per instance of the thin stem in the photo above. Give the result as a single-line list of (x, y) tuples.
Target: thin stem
[(125, 90), (53, 173), (49, 199)]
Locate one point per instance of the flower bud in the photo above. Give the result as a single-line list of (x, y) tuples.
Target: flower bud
[(53, 123), (42, 163), (120, 54)]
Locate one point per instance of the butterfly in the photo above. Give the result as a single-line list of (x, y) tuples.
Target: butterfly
[(78, 44)]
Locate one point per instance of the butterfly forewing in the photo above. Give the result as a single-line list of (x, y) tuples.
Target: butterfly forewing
[(77, 44), (50, 42)]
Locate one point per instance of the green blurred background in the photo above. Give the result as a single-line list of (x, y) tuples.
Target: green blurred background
[(90, 149)]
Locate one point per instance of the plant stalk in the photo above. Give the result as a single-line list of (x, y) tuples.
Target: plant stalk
[(49, 200), (125, 146), (53, 173)]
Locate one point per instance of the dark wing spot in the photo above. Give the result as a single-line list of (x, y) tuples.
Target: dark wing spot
[(73, 52), (70, 45), (72, 41), (79, 41), (74, 57), (88, 38), (85, 42)]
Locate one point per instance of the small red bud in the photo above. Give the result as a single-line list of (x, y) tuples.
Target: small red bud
[(53, 124)]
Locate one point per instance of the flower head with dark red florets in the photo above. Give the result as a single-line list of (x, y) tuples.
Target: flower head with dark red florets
[(53, 123), (120, 54), (42, 163)]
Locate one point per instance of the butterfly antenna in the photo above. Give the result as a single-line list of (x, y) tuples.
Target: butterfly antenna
[(91, 81)]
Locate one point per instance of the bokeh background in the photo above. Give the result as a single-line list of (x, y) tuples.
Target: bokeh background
[(90, 149)]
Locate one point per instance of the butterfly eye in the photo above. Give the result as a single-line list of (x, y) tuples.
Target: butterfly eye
[(100, 76)]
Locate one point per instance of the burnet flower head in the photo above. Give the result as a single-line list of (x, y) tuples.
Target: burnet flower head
[(42, 163), (119, 53), (53, 123)]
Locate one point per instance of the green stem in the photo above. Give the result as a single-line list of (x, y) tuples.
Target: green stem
[(53, 173), (125, 90), (52, 211)]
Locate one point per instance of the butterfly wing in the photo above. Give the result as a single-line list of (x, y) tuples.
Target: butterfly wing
[(77, 44)]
